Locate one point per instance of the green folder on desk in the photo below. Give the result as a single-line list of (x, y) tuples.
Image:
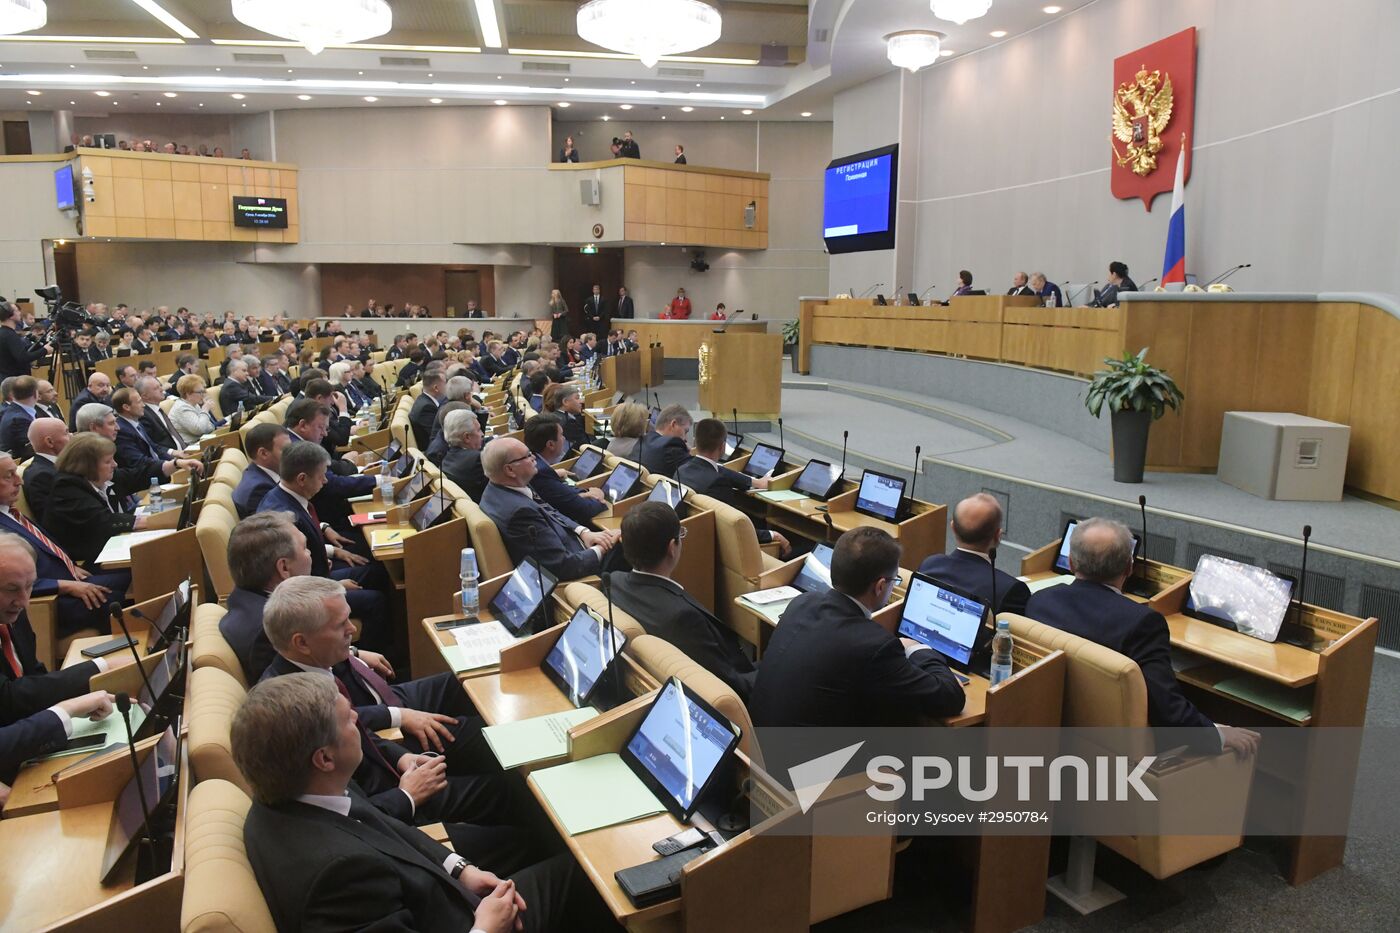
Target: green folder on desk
[(1271, 696), (770, 611), (536, 739), (780, 495), (113, 725), (594, 793)]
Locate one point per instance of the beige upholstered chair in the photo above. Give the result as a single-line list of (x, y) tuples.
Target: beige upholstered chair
[(212, 530), (210, 649), (221, 892), (214, 696), (492, 558), (741, 562)]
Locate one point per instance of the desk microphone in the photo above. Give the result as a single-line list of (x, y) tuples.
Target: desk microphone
[(913, 478), (844, 436), (897, 293), (781, 443), (925, 293), (734, 414), (992, 559), (1142, 506), (831, 534), (1143, 286), (1302, 576), (611, 638), (1082, 291), (115, 610), (871, 290), (1226, 274), (147, 837)]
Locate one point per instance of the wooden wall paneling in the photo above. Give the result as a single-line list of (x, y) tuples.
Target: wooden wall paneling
[(1165, 329), (1223, 340), (1373, 462), (1333, 362), (1282, 374)]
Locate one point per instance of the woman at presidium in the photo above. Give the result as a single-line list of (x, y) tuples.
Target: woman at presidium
[(559, 314)]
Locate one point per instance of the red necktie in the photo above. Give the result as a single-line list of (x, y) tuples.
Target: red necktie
[(376, 684), (11, 658), (44, 540), (366, 739)]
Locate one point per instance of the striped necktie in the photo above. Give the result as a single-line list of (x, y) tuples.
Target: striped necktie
[(43, 539)]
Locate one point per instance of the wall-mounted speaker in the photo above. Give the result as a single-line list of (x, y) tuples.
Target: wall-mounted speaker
[(590, 192)]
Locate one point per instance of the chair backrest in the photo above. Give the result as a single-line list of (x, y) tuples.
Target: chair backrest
[(221, 494), (23, 503), (663, 660), (581, 594), (227, 473), (221, 892), (168, 403), (215, 408), (492, 558), (214, 696), (1102, 687), (235, 456), (212, 530), (210, 648), (740, 559)]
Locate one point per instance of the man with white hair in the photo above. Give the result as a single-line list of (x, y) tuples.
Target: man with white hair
[(462, 464), (238, 389), (157, 423)]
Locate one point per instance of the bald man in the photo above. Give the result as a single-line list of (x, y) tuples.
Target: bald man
[(977, 531), (99, 389), (48, 406), (48, 437)]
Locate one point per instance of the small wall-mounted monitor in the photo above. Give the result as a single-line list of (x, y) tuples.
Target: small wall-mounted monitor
[(861, 198), (269, 213), (65, 194)]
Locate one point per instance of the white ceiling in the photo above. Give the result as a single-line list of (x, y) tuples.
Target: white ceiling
[(827, 45)]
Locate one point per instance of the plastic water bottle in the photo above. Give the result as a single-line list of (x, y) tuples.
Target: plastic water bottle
[(468, 581), (386, 487), (155, 498), (241, 412), (1001, 652)]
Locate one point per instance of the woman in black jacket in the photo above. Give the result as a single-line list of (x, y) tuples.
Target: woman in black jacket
[(84, 508)]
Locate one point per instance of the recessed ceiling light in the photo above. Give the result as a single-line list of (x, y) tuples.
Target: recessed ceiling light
[(634, 82), (498, 77), (945, 53), (434, 100), (72, 103), (663, 116), (721, 116), (238, 96), (116, 103), (564, 105), (103, 93), (370, 100), (697, 83), (242, 105), (157, 103), (1052, 10), (34, 93), (145, 67), (201, 103), (687, 109), (289, 71), (359, 72), (747, 113), (430, 74), (218, 69), (998, 33), (625, 106), (29, 101), (606, 118), (500, 103), (169, 94), (303, 97), (806, 113)]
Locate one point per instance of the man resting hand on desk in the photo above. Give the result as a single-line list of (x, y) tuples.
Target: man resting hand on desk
[(1094, 607), (325, 859)]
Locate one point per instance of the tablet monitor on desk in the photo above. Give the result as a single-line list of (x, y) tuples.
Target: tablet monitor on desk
[(622, 482), (428, 513), (580, 658), (948, 621), (412, 489), (818, 479), (521, 596), (880, 495), (151, 785), (404, 467), (587, 464), (765, 459), (166, 683), (732, 442), (815, 575), (1062, 559), (680, 747), (391, 453), (1237, 596), (672, 494)]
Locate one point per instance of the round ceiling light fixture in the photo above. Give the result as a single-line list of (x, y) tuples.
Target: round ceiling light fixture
[(316, 24), (960, 11), (649, 29), (913, 48), (18, 16)]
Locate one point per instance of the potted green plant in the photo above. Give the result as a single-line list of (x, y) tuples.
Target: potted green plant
[(1136, 395), (792, 334)]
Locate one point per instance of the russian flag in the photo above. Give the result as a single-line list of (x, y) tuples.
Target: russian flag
[(1174, 263)]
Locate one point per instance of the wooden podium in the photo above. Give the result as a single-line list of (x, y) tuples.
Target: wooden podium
[(744, 372)]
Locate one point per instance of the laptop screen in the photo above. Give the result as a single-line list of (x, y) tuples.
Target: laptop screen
[(619, 485), (528, 586), (880, 495), (681, 745), (669, 493), (763, 460), (1062, 559), (815, 575), (586, 463), (817, 478), (579, 658), (731, 443), (945, 621)]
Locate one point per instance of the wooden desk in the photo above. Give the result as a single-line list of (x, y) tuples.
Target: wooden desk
[(622, 373), (742, 371), (681, 340)]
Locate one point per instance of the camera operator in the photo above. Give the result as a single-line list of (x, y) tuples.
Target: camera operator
[(17, 358)]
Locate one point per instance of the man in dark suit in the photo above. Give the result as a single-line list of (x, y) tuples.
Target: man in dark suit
[(136, 450), (238, 389), (977, 531), (1118, 282), (595, 309), (303, 473), (268, 383), (535, 529), (18, 416), (48, 406), (544, 435), (263, 445), (473, 312), (493, 362), (1020, 285), (158, 425), (1046, 289), (26, 686), (308, 623), (408, 375), (830, 664), (663, 449), (624, 305), (462, 462), (99, 389), (47, 438), (325, 858), (1094, 607), (704, 475), (652, 537), (17, 357), (425, 407)]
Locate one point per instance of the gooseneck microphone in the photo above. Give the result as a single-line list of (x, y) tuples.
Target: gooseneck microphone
[(992, 559), (115, 610), (734, 416), (781, 443), (844, 436), (1081, 291), (1302, 577), (908, 505), (1143, 286), (124, 706), (1142, 507), (1247, 265), (611, 648)]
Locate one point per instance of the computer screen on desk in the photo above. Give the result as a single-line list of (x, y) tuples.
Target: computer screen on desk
[(580, 657), (679, 747), (621, 483), (880, 495), (764, 460), (1062, 559), (815, 575), (818, 479), (947, 621), (1250, 600), (516, 601)]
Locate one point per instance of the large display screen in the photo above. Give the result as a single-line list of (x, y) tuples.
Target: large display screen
[(260, 212), (861, 195), (64, 195)]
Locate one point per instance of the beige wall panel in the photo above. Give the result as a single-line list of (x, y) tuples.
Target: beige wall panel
[(214, 203), (184, 171), (126, 168), (155, 170), (160, 228), (185, 199), (131, 227), (128, 199), (159, 200)]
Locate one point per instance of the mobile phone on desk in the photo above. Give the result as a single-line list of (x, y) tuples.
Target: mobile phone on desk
[(447, 624), (105, 648)]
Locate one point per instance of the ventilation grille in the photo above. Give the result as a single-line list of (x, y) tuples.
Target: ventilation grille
[(671, 71), (260, 58), (557, 68), (1194, 551), (821, 35), (1161, 548), (1384, 604), (393, 61), (773, 55), (110, 55), (1324, 589)]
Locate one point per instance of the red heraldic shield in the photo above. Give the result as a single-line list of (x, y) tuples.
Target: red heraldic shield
[(1154, 103)]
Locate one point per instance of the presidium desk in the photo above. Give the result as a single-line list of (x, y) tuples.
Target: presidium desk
[(1329, 356)]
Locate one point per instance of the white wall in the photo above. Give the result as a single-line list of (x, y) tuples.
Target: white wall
[(1297, 123), (27, 207), (865, 117)]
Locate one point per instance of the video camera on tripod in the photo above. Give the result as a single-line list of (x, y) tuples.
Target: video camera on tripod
[(68, 366)]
